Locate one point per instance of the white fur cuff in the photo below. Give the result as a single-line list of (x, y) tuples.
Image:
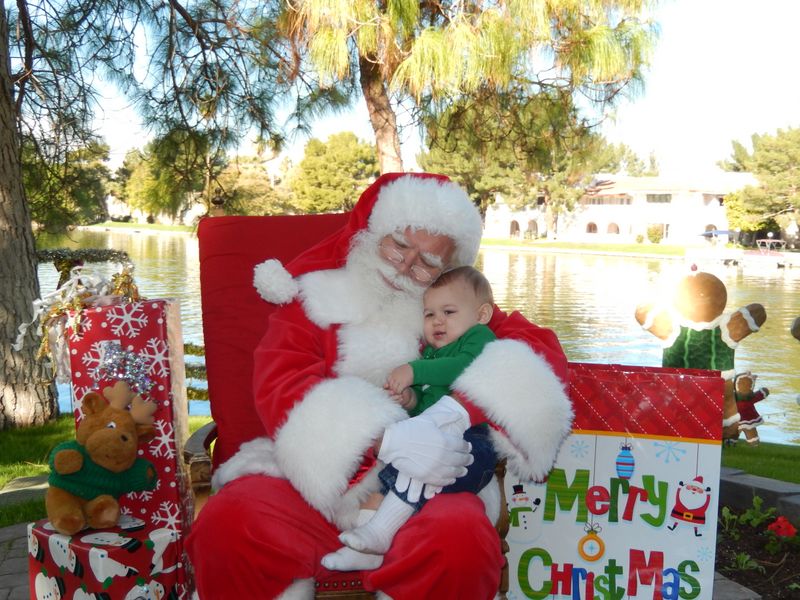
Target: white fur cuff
[(326, 434), (518, 391)]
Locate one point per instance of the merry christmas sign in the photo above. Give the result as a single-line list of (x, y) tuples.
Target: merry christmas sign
[(629, 510)]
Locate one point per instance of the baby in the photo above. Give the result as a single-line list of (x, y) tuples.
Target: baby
[(457, 309)]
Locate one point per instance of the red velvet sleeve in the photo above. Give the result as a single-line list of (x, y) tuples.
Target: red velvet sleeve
[(289, 360)]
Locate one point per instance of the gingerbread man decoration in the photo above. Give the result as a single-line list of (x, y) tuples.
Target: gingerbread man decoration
[(746, 396), (696, 333)]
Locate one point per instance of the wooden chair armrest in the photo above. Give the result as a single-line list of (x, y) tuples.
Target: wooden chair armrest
[(197, 456)]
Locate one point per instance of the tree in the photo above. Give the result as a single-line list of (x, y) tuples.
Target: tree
[(332, 173), (775, 163), (426, 56), (554, 161), (209, 69), (249, 188), (72, 192), (621, 159), (168, 173)]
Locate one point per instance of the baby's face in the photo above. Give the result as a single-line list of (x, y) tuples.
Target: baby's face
[(449, 311)]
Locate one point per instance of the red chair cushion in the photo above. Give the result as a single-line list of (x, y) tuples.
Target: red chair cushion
[(235, 316)]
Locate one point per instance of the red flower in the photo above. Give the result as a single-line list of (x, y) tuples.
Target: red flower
[(783, 528)]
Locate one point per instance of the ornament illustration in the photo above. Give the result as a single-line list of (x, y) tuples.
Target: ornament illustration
[(625, 461), (591, 547)]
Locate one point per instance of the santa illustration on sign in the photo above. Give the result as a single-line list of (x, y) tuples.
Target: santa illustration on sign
[(691, 504)]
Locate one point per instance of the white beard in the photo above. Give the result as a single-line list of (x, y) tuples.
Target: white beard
[(380, 327)]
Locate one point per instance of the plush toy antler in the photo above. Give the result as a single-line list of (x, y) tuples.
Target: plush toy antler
[(121, 396)]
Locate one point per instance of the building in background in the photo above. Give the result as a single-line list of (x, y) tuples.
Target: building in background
[(624, 209)]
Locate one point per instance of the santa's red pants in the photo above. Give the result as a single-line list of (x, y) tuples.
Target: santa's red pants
[(257, 535)]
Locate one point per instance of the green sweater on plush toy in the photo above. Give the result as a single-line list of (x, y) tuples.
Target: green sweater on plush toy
[(93, 480)]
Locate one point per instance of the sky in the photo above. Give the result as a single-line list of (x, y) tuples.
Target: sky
[(721, 71)]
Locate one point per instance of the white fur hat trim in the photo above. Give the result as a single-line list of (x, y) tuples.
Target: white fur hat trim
[(274, 283), (436, 206)]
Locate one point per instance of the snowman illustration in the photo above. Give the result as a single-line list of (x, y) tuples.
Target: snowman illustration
[(521, 508)]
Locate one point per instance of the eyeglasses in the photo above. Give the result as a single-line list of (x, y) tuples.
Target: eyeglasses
[(421, 274)]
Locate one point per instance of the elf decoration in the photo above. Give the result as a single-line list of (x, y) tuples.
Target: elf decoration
[(90, 473), (746, 396), (697, 334)]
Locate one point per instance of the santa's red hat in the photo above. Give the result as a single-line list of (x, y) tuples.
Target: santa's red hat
[(394, 201)]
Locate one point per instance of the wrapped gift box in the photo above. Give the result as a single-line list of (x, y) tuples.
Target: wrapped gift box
[(143, 339), (130, 561)]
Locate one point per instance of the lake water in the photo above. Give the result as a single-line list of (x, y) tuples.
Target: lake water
[(589, 300)]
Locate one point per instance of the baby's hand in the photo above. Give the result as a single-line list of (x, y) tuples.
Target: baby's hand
[(400, 378), (408, 399)]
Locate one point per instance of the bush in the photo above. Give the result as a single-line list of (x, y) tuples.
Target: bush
[(655, 233)]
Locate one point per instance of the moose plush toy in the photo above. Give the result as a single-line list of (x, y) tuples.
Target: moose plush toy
[(696, 333), (89, 474)]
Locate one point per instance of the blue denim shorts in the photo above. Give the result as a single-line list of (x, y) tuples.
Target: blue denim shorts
[(479, 473)]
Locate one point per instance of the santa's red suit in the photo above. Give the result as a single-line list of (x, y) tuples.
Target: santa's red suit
[(319, 372)]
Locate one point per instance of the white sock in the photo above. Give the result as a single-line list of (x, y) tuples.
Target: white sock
[(347, 559), (377, 534)]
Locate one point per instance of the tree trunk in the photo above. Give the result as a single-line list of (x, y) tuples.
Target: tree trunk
[(381, 116), (27, 392)]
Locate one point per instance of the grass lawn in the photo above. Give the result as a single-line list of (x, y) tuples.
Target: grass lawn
[(649, 249), (776, 461), (142, 226)]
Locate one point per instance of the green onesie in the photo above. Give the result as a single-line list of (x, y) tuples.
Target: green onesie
[(436, 371)]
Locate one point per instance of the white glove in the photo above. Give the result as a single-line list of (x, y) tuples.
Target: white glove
[(448, 415), (423, 453)]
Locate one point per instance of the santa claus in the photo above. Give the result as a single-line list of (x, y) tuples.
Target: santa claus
[(351, 312), (691, 503)]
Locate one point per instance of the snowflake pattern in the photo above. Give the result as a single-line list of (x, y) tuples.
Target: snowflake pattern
[(75, 333), (162, 445), (78, 393), (92, 360), (146, 495), (157, 353), (579, 449), (127, 320), (668, 451), (168, 515), (705, 554)]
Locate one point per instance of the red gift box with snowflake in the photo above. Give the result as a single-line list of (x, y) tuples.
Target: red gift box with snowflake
[(139, 342)]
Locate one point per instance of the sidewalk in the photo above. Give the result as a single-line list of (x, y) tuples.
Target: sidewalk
[(736, 490)]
